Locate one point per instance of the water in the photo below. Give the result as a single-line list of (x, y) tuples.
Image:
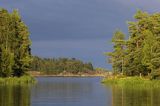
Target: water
[(135, 97), (15, 96), (72, 91)]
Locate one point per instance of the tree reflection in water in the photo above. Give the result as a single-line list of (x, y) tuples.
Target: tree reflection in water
[(135, 96), (18, 95)]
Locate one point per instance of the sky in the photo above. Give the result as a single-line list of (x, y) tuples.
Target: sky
[(80, 29)]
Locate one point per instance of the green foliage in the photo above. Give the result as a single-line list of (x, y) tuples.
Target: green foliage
[(7, 62), (101, 69), (15, 56), (140, 53), (116, 57), (57, 66)]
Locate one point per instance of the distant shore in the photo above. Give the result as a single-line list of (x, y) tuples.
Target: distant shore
[(68, 75), (39, 74)]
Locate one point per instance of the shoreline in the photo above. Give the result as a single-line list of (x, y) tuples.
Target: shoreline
[(68, 76), (40, 74), (132, 82), (17, 80)]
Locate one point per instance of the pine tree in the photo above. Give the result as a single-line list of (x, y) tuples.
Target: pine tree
[(22, 45), (142, 49), (15, 56), (116, 58)]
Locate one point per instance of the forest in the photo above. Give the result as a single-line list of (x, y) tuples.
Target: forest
[(60, 65), (138, 53), (15, 52)]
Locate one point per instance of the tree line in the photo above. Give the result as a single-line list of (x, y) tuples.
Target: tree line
[(15, 52), (140, 53), (60, 65)]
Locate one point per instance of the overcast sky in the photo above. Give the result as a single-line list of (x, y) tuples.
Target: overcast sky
[(77, 28)]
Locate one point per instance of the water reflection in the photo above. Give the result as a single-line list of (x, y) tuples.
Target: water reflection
[(70, 91), (135, 97), (15, 95), (59, 91)]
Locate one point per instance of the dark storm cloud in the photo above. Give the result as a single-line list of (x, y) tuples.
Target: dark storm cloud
[(76, 28), (70, 19)]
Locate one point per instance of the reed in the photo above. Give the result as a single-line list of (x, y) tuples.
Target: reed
[(132, 82), (17, 80)]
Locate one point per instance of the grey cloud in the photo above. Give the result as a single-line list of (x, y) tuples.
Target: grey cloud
[(70, 19)]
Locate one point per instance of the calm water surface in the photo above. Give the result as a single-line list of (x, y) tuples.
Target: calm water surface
[(73, 91)]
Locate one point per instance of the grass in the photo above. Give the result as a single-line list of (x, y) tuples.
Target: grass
[(132, 82), (17, 80)]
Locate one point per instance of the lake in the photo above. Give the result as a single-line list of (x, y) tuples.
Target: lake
[(76, 91)]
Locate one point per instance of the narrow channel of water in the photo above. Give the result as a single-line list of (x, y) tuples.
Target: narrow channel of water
[(73, 91), (70, 91)]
